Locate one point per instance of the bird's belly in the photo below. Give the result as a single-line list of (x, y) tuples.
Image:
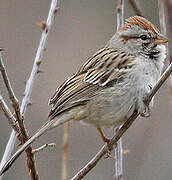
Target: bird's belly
[(110, 108)]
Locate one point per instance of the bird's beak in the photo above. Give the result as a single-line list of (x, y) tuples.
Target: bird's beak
[(161, 39)]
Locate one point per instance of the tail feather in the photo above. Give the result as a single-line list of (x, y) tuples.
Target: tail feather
[(49, 125)]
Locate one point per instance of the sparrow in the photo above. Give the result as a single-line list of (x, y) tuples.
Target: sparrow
[(111, 84)]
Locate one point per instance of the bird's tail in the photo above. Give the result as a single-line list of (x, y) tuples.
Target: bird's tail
[(49, 125)]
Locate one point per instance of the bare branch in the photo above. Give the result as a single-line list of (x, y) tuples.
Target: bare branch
[(8, 114), (119, 149), (119, 160), (30, 82), (137, 8), (121, 130), (11, 94), (162, 17), (169, 11), (22, 133), (65, 150), (43, 147), (7, 82), (120, 13)]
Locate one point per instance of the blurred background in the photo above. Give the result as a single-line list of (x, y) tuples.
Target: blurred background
[(80, 28)]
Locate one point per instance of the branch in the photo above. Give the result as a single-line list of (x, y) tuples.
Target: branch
[(169, 11), (161, 4), (30, 82), (119, 149), (22, 133), (137, 8), (65, 150), (8, 114), (121, 130), (43, 147), (120, 13), (162, 17), (11, 94)]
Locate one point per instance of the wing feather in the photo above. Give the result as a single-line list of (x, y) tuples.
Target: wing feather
[(105, 66)]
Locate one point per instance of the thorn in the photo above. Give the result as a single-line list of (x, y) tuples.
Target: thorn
[(39, 62), (39, 71), (25, 81), (22, 116), (29, 103), (127, 151), (42, 25), (56, 9), (118, 8)]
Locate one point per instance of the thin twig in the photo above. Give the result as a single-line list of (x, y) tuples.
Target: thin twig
[(120, 13), (161, 6), (119, 160), (162, 17), (30, 82), (137, 8), (8, 114), (169, 11), (11, 94), (65, 151), (91, 164), (119, 149), (41, 148)]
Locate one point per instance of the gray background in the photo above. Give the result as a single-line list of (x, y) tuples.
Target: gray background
[(80, 28)]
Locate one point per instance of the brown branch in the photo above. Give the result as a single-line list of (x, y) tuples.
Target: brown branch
[(161, 6), (169, 12), (162, 17), (65, 151), (11, 94), (8, 114), (137, 8), (23, 136), (41, 148), (121, 130), (120, 13), (119, 149)]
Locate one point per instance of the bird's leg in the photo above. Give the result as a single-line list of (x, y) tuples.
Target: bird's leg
[(147, 112), (105, 140)]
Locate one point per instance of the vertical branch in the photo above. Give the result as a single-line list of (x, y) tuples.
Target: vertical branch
[(161, 4), (30, 82), (119, 149), (137, 8), (120, 13), (169, 13), (162, 17), (65, 151)]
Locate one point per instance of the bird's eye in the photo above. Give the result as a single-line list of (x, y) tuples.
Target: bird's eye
[(143, 37)]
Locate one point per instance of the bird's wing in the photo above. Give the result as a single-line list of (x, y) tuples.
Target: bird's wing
[(99, 71)]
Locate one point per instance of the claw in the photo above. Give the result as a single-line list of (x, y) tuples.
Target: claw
[(147, 112)]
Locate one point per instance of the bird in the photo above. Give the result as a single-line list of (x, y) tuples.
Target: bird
[(111, 84)]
